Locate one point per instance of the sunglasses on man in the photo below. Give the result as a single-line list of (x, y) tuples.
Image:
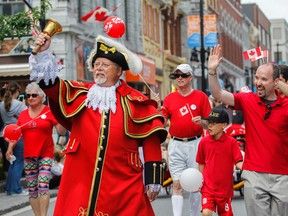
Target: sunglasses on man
[(268, 112), (175, 76)]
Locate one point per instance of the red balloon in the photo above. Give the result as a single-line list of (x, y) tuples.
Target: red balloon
[(114, 27), (12, 133)]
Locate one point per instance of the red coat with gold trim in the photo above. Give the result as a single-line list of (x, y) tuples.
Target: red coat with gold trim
[(103, 172)]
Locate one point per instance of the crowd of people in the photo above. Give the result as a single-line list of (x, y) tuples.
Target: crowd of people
[(104, 123)]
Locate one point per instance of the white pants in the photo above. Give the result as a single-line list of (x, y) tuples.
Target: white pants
[(182, 155)]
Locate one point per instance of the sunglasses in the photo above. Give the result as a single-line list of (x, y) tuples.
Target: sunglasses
[(33, 95), (180, 75), (268, 112)]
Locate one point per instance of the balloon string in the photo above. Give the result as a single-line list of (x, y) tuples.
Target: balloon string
[(146, 83), (31, 120)]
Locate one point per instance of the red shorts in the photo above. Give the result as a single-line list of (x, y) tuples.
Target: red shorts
[(223, 205)]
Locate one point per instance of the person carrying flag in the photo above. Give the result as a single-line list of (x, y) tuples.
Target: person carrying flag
[(184, 109)]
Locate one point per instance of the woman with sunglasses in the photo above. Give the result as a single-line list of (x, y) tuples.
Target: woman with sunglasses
[(36, 124)]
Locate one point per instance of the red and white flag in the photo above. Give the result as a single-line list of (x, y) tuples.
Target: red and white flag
[(183, 110), (34, 30), (245, 89), (252, 53), (264, 55), (99, 14)]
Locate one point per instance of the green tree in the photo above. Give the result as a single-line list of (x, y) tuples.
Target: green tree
[(19, 25)]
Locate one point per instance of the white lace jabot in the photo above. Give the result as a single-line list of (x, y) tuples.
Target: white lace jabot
[(103, 98)]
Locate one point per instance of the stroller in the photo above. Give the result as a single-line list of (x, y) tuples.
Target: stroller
[(238, 132)]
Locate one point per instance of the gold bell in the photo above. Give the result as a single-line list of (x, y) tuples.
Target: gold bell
[(51, 28)]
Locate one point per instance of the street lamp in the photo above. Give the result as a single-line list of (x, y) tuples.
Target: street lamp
[(251, 76), (277, 51), (202, 49)]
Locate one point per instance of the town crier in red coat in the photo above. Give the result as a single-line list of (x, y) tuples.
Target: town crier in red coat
[(109, 121)]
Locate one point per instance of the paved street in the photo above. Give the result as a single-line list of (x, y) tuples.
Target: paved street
[(161, 206)]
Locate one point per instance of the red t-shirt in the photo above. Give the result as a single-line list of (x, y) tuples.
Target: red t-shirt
[(179, 109), (219, 157), (37, 134), (266, 147)]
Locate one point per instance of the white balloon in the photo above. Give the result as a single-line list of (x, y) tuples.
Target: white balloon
[(191, 180)]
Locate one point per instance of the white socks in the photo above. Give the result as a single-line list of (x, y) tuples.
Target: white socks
[(195, 204), (177, 204)]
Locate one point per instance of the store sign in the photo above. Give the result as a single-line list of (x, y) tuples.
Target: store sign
[(148, 72)]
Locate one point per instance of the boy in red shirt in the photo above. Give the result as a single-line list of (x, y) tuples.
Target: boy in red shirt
[(217, 154)]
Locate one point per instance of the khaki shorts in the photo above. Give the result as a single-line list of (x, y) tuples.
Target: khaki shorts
[(265, 194), (182, 155)]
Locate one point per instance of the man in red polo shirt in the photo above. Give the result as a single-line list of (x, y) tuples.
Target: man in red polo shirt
[(184, 108), (265, 168)]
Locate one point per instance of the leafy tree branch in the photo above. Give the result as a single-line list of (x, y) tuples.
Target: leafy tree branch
[(19, 25)]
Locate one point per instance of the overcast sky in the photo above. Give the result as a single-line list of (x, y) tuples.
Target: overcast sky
[(273, 9)]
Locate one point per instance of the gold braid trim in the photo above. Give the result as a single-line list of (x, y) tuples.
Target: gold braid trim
[(67, 85), (127, 115), (140, 120)]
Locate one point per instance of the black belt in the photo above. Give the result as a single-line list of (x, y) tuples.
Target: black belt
[(186, 139)]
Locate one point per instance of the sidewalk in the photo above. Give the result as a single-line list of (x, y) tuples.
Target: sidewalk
[(11, 203)]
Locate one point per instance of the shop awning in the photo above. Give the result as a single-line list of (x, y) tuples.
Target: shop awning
[(14, 70), (148, 72)]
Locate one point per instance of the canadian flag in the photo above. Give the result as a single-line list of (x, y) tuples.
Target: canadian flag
[(34, 30), (252, 53), (264, 55), (245, 89), (183, 110), (99, 14)]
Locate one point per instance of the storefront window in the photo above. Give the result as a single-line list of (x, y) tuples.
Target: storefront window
[(11, 7)]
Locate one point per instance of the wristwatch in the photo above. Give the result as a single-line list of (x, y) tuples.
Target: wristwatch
[(211, 74)]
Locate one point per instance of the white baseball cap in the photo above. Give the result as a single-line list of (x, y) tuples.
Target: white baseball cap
[(184, 68)]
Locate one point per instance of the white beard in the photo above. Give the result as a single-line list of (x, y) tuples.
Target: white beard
[(100, 81), (103, 98)]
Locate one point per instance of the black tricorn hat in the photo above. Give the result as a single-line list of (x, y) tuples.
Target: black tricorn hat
[(116, 52)]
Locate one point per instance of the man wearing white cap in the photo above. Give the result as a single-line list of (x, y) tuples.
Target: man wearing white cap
[(108, 121), (184, 108)]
